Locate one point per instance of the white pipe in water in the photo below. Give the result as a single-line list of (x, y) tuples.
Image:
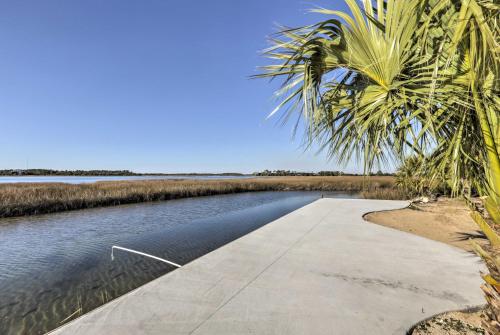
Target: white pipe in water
[(143, 254)]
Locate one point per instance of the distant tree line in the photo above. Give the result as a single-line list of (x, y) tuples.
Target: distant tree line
[(320, 173), (49, 172)]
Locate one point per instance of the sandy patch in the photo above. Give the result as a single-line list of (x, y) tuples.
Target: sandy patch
[(453, 323), (446, 220)]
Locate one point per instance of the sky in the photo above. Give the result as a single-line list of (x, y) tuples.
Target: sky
[(146, 85)]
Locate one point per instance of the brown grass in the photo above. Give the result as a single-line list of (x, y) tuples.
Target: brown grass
[(388, 193), (37, 198)]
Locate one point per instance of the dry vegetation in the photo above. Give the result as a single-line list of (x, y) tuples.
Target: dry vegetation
[(452, 323), (386, 193), (36, 198)]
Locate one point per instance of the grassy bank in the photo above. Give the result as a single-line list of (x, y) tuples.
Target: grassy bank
[(37, 198)]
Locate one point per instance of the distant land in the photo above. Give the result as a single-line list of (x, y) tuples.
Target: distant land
[(50, 172), (277, 173), (269, 173)]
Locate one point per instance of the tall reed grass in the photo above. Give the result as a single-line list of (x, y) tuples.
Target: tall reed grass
[(390, 193), (37, 198)]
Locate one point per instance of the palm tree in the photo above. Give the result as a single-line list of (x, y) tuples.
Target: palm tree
[(397, 78)]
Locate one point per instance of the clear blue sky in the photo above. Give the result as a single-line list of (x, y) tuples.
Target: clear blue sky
[(150, 85)]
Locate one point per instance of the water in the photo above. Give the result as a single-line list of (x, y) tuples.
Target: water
[(93, 179), (55, 267)]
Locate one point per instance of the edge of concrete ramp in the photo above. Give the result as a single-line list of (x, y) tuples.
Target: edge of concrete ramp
[(318, 270)]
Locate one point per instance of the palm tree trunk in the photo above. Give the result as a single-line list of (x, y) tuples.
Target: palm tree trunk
[(493, 166)]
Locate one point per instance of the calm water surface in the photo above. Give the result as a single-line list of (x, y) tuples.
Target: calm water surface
[(93, 179), (55, 267)]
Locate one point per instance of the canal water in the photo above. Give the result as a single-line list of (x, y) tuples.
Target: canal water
[(55, 267)]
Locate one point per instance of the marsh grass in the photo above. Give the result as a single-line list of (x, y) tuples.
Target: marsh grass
[(38, 198), (388, 193)]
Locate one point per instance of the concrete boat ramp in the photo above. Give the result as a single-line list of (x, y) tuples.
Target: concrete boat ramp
[(318, 270)]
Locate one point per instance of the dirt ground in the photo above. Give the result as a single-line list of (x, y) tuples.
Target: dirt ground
[(453, 323), (447, 221)]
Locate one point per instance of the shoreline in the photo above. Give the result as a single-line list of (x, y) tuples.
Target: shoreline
[(22, 199)]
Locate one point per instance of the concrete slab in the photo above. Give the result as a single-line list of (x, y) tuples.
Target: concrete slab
[(318, 270)]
